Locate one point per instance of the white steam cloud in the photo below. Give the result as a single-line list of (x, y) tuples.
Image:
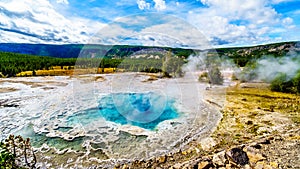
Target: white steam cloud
[(195, 62), (269, 67), (264, 69)]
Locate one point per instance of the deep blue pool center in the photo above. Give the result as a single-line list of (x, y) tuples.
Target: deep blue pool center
[(145, 110)]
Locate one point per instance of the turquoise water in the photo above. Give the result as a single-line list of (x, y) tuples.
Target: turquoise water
[(145, 110), (37, 140)]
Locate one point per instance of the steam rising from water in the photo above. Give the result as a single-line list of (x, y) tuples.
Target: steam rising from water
[(196, 62), (269, 67)]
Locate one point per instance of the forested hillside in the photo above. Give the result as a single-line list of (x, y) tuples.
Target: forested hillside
[(75, 50), (242, 55), (13, 63)]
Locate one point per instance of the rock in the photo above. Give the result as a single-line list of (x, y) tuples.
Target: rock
[(125, 167), (253, 153), (190, 150), (257, 146), (274, 164), (262, 130), (186, 166), (197, 150), (162, 159), (184, 153), (229, 166), (238, 156), (117, 166), (207, 143), (251, 148), (259, 165), (205, 165), (266, 141), (148, 164), (177, 166), (262, 165), (268, 167), (219, 158), (249, 122), (278, 138), (141, 161), (247, 166), (255, 157)]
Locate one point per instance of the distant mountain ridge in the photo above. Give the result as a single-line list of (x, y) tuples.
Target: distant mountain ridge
[(61, 51), (74, 50), (274, 48)]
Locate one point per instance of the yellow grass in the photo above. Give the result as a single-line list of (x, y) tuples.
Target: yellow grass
[(25, 73), (255, 111), (68, 70)]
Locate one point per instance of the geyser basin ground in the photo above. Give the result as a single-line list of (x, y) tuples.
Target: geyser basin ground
[(86, 116)]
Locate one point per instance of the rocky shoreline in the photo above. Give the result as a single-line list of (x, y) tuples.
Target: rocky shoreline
[(278, 151)]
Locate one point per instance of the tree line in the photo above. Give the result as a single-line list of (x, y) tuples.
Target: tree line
[(282, 83), (14, 63)]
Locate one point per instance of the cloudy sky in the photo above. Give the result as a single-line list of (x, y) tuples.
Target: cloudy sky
[(174, 23)]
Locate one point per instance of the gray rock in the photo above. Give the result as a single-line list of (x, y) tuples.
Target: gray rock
[(219, 158), (238, 156)]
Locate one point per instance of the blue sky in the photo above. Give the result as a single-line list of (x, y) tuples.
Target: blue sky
[(175, 23)]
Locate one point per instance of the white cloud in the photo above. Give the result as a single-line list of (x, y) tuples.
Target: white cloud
[(40, 22), (280, 1), (297, 12), (142, 4), (62, 2), (177, 32), (253, 10), (126, 2), (111, 34), (287, 21), (15, 37), (237, 21), (171, 32), (160, 5), (221, 21)]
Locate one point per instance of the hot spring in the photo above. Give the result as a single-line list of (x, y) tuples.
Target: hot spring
[(105, 121)]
